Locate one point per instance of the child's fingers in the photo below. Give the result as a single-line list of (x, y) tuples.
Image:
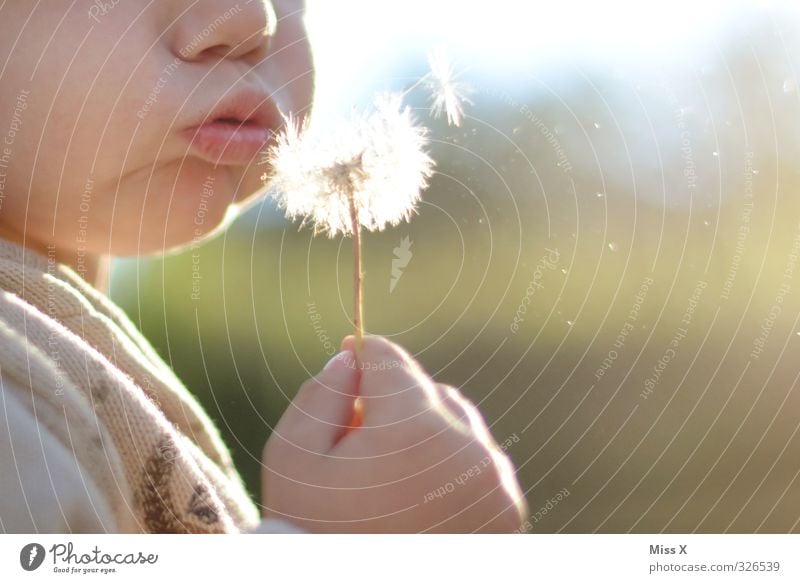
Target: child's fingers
[(323, 408), (394, 387), (453, 410), (466, 413), (349, 343)]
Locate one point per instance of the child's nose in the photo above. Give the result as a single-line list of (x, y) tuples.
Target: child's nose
[(224, 28)]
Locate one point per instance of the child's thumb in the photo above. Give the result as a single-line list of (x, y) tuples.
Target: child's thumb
[(323, 407)]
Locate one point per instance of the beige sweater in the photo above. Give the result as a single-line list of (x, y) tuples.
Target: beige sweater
[(96, 432)]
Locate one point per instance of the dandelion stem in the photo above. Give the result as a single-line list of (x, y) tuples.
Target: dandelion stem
[(358, 278)]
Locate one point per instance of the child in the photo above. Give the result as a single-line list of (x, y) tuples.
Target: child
[(132, 128)]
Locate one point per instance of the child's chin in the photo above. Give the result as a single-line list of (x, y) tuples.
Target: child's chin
[(187, 237), (178, 234)]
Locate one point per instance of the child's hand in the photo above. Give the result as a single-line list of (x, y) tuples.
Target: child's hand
[(423, 459)]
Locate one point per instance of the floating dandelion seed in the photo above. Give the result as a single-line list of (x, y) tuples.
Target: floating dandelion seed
[(449, 94), (367, 172)]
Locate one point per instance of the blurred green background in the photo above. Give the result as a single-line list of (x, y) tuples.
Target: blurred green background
[(678, 166)]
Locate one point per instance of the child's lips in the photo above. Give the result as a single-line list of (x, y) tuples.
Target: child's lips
[(228, 143), (235, 131)]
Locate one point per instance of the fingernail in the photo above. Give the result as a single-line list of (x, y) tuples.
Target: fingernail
[(342, 359)]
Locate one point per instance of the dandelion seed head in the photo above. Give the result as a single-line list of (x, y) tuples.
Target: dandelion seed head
[(449, 94), (346, 176), (375, 161)]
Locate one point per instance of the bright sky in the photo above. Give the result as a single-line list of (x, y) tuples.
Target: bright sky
[(355, 40)]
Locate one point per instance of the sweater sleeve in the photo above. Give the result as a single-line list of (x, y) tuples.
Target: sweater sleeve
[(44, 487)]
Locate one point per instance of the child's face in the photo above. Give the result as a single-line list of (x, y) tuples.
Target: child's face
[(100, 101)]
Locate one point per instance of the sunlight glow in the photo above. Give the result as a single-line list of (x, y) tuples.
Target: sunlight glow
[(355, 38)]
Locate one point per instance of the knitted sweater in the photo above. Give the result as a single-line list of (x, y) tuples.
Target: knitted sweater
[(97, 434)]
